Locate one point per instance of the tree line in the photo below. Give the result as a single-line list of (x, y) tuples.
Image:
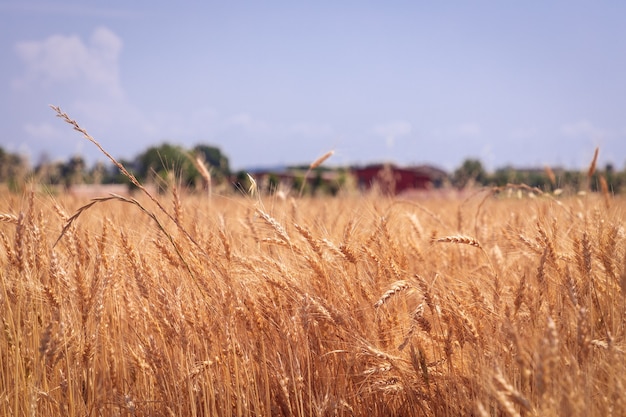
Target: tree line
[(154, 165), (543, 178), (158, 163)]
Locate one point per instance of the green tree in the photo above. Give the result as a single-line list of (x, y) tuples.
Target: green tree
[(504, 176), (216, 160), (613, 178), (98, 173), (74, 170), (298, 182), (242, 182), (13, 168), (114, 176), (470, 171), (160, 160), (272, 183), (157, 161)]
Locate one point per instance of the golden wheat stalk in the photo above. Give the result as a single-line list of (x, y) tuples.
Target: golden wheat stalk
[(278, 228), (8, 218), (396, 288), (254, 188), (550, 174), (592, 166), (126, 173), (150, 214), (319, 161), (61, 114), (459, 239), (204, 172), (606, 194)]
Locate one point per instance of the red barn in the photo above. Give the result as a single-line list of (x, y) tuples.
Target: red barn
[(394, 180)]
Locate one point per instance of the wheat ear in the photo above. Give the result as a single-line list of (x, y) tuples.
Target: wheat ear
[(396, 288), (592, 166), (8, 218), (319, 161), (460, 239)]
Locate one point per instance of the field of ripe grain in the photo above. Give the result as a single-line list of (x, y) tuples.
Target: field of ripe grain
[(489, 306)]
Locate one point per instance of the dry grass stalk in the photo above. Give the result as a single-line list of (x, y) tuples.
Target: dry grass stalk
[(429, 297), (622, 278), (8, 218), (315, 164), (150, 214), (225, 242), (316, 266), (608, 251), (520, 294), (550, 175), (541, 274), (60, 211), (468, 326), (253, 190), (278, 228), (320, 310), (204, 173), (8, 250), (481, 410), (604, 187), (332, 248), (548, 244), (533, 246), (547, 358), (171, 258), (121, 167), (125, 172), (505, 403), (319, 161), (417, 321), (459, 239), (275, 241), (424, 209), (395, 289), (306, 233), (416, 225), (348, 253), (380, 267), (286, 331), (525, 187), (510, 392), (178, 207), (592, 165)]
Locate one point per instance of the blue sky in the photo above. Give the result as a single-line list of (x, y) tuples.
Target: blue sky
[(520, 83)]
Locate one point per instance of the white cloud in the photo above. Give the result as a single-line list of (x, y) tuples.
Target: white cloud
[(390, 131), (247, 123), (583, 128), (43, 130), (57, 138), (240, 119), (83, 76), (523, 133), (203, 116), (468, 130), (309, 129), (60, 59), (463, 130)]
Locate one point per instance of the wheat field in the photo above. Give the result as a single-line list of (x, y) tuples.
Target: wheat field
[(181, 305)]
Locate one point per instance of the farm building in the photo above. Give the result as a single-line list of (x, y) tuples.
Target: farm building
[(392, 179), (389, 178)]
